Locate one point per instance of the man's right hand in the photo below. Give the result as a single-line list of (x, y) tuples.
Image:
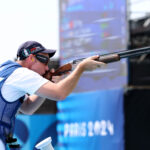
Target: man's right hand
[(54, 78)]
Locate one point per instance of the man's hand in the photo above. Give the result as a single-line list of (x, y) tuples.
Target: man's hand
[(55, 79), (48, 75), (90, 63)]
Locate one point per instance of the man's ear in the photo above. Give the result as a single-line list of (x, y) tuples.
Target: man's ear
[(31, 58)]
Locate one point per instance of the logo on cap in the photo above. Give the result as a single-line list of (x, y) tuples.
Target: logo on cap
[(25, 52)]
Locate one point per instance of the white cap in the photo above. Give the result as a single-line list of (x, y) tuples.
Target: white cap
[(45, 144)]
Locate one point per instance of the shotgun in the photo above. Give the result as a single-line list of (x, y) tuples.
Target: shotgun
[(106, 58)]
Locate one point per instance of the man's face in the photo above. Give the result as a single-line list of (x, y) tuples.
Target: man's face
[(40, 66)]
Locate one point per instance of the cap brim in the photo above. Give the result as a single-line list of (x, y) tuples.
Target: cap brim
[(50, 52)]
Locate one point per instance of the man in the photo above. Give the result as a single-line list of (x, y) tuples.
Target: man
[(23, 87)]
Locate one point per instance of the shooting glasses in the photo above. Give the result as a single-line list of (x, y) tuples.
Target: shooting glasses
[(43, 59)]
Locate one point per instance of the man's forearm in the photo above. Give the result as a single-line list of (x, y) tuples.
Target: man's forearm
[(69, 83)]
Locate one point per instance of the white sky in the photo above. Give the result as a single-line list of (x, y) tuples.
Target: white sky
[(139, 8), (23, 20)]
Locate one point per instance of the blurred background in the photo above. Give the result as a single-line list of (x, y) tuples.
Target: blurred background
[(109, 108)]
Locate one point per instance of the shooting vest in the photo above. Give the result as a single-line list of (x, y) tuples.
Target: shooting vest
[(8, 110)]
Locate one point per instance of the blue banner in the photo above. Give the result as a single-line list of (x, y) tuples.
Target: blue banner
[(91, 120)]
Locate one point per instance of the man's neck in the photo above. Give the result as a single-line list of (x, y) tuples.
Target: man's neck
[(22, 63)]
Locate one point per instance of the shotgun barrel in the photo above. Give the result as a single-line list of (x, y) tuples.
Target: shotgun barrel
[(116, 56)]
